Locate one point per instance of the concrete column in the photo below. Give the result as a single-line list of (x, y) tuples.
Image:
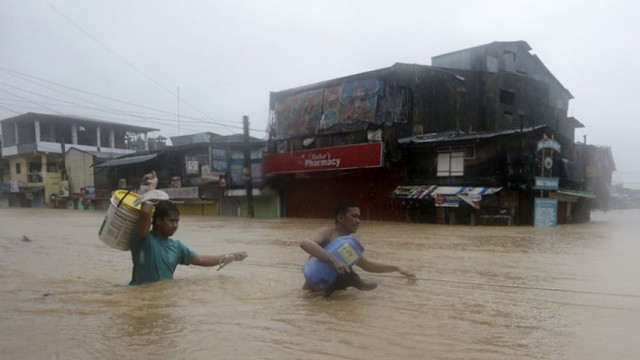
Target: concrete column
[(37, 128), (98, 137), (43, 169), (112, 139), (146, 142), (74, 134), (15, 133), (54, 134)]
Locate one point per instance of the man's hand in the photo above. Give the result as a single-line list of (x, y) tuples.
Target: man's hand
[(410, 276), (239, 256), (151, 180), (341, 266), (229, 258)]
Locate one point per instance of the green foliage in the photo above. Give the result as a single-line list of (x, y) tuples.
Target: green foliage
[(136, 142)]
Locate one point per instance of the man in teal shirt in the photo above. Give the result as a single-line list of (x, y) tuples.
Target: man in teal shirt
[(154, 253)]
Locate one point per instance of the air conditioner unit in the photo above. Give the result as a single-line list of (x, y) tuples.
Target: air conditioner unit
[(63, 193)]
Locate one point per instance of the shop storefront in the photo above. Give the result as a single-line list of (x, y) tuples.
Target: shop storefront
[(312, 182)]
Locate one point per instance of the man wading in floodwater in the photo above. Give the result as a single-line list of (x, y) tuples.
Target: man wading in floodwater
[(347, 220), (154, 253)]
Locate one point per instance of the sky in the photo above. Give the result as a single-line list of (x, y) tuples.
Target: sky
[(201, 65)]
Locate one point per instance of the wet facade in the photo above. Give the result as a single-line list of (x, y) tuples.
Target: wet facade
[(472, 139), (48, 158)]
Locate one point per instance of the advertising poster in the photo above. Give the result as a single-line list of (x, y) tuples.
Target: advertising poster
[(546, 212), (447, 200), (219, 163)]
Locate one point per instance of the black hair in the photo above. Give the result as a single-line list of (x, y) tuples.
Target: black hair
[(343, 207), (163, 209)]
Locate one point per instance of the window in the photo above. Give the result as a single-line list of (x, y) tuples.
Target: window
[(508, 118), (18, 168), (35, 172), (469, 152), (509, 56), (451, 163), (507, 97), (510, 60), (52, 167)]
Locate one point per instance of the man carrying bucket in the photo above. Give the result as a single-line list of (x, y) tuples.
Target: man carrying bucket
[(154, 253), (347, 220)]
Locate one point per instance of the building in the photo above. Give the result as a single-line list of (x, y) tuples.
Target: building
[(338, 139), (37, 146), (474, 138), (5, 179), (203, 172)]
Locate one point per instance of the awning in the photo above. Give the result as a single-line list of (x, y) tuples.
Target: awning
[(424, 191), (127, 161), (577, 193), (472, 195), (413, 191), (436, 138), (31, 189), (465, 190)]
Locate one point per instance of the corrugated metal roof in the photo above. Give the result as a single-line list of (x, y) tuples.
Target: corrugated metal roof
[(31, 189), (577, 193), (127, 161), (457, 136)]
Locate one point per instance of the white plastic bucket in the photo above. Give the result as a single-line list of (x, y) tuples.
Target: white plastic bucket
[(120, 220)]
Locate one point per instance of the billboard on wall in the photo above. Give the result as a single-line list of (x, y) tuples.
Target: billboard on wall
[(218, 161), (443, 200), (235, 175), (325, 159), (305, 113), (236, 164)]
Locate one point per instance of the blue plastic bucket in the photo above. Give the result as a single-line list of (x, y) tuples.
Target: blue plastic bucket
[(318, 272)]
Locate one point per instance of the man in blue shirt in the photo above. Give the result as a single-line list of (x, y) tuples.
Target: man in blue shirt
[(154, 253)]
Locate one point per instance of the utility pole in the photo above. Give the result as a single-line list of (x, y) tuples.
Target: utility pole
[(178, 100), (246, 170), (63, 164)]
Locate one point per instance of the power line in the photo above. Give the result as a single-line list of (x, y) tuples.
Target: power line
[(33, 102), (26, 77), (126, 61), (20, 75), (109, 49), (69, 103), (13, 111)]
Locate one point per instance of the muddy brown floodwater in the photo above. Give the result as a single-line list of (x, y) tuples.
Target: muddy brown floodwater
[(570, 292)]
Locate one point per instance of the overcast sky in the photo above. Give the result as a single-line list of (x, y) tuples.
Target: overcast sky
[(186, 66)]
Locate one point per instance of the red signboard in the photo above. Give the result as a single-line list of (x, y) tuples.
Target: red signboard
[(325, 159)]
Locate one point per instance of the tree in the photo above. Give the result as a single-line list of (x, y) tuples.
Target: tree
[(136, 142)]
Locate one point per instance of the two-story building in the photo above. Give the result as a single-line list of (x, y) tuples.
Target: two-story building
[(51, 156), (463, 140)]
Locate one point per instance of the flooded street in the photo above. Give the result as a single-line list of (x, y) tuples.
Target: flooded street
[(571, 292)]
